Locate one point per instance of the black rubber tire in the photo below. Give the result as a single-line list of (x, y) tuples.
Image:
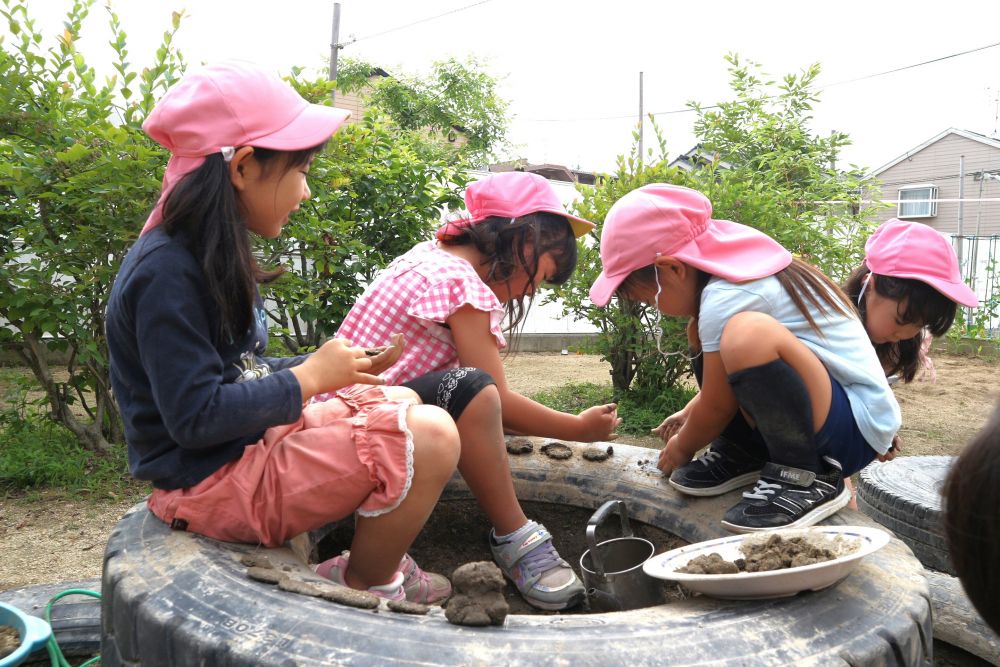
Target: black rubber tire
[(904, 495), (76, 619), (957, 622), (177, 599)]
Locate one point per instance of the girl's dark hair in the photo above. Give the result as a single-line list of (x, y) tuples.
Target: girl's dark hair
[(202, 209), (503, 243), (972, 519), (924, 305), (802, 281)]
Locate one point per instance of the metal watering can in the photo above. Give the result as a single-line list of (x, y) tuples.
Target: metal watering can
[(612, 570)]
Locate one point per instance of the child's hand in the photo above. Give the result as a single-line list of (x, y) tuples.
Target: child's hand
[(894, 449), (599, 423), (385, 357), (335, 365), (670, 457), (670, 425)]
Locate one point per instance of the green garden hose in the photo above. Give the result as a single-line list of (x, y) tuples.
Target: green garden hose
[(56, 657)]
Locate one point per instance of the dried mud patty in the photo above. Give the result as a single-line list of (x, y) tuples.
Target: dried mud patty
[(519, 446), (557, 450)]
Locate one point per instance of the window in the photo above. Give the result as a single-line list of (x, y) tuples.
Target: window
[(915, 201)]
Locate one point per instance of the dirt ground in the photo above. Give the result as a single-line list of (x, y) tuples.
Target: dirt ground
[(49, 538)]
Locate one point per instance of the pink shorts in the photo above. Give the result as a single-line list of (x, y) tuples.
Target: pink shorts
[(351, 453)]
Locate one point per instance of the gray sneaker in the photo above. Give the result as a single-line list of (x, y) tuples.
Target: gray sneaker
[(528, 559)]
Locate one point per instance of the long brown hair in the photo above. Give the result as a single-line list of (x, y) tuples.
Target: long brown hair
[(972, 519), (203, 210)]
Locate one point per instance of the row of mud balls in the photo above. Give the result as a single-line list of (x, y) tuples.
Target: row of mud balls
[(558, 450)]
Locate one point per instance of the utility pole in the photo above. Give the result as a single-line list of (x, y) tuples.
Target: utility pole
[(334, 48), (641, 119), (961, 204)]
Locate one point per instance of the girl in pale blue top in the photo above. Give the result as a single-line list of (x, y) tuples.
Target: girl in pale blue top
[(781, 350)]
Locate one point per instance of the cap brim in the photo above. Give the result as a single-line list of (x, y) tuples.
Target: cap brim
[(734, 252), (957, 292), (313, 126), (604, 288), (580, 226)]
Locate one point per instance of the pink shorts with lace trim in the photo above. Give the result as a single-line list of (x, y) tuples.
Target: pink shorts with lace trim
[(351, 453)]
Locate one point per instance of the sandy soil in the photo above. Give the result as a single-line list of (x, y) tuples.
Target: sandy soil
[(47, 538)]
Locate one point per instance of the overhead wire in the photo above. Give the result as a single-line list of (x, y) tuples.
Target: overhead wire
[(819, 88), (413, 23)]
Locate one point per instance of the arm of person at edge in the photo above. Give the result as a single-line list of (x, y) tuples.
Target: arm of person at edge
[(707, 416), (476, 345)]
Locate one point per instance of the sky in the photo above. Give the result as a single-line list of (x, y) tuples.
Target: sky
[(570, 69)]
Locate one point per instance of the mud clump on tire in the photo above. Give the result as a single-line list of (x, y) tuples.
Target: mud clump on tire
[(477, 598), (519, 446), (598, 453), (557, 450)]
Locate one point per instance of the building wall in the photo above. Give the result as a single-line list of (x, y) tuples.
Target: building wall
[(938, 164)]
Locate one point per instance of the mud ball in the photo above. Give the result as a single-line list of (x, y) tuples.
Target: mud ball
[(477, 595), (598, 453), (519, 446), (557, 450), (407, 607)]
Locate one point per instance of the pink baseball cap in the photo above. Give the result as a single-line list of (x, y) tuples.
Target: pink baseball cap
[(229, 105), (675, 221), (511, 194), (904, 249)]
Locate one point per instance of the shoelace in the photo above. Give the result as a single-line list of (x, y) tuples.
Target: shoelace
[(541, 559), (709, 457), (762, 491)]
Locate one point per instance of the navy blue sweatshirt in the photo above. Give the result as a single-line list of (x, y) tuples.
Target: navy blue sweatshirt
[(190, 403)]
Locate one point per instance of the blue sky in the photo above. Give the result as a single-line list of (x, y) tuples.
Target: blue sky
[(570, 68)]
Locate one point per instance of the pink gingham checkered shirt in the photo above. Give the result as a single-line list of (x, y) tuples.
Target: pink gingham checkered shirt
[(415, 295)]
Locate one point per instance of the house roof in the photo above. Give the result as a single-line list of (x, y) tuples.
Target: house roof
[(974, 136)]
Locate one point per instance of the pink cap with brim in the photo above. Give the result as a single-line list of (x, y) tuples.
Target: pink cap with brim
[(675, 221), (902, 249), (511, 194), (232, 104)]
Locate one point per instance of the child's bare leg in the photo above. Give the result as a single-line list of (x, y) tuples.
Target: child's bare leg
[(484, 464), (754, 339), (380, 541)]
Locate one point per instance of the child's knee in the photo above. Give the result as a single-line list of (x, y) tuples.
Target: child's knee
[(747, 337), (435, 438), (401, 394), (486, 401)]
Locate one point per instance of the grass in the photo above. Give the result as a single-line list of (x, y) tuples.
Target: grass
[(38, 454), (639, 414)]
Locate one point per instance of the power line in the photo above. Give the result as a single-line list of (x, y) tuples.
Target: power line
[(820, 88), (900, 69), (423, 20)]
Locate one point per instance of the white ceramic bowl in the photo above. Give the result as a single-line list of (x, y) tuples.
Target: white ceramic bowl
[(771, 584)]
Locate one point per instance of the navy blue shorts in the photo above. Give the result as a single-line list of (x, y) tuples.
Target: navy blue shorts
[(840, 438)]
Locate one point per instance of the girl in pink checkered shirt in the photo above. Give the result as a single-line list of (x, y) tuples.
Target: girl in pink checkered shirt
[(448, 297)]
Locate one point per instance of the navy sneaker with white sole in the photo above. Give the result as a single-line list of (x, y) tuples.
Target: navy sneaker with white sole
[(724, 466), (786, 497)]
